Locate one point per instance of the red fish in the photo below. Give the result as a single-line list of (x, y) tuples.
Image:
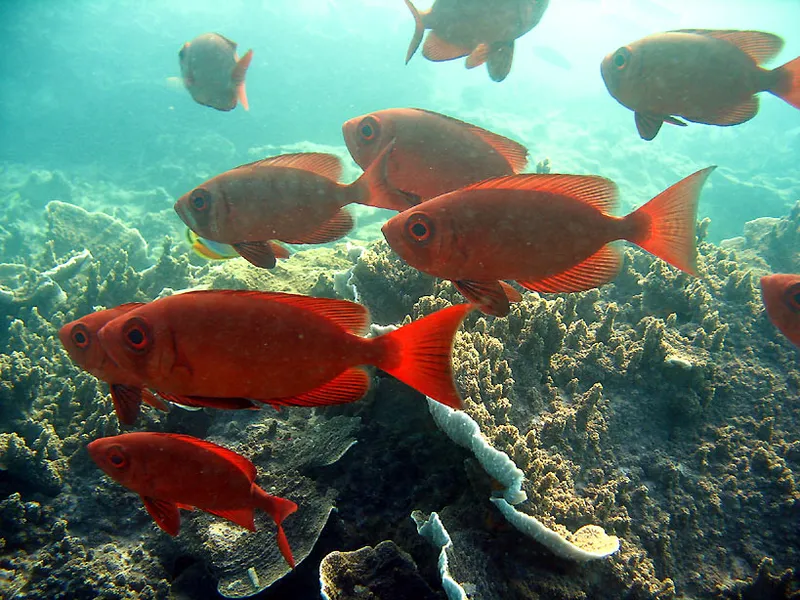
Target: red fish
[(127, 391), (483, 31), (781, 294), (702, 75), (433, 154), (550, 233), (213, 72), (172, 471), (280, 349), (293, 198)]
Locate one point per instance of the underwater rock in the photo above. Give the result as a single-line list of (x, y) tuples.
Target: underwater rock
[(379, 267), (43, 186), (71, 227), (384, 572), (246, 563)]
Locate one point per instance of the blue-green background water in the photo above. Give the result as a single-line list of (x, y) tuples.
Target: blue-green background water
[(84, 85)]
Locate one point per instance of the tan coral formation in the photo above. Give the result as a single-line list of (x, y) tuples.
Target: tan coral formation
[(659, 407)]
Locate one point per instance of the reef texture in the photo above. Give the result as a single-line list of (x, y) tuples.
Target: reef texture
[(663, 408)]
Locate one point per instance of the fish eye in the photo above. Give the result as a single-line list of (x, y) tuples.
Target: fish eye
[(368, 128), (137, 334), (792, 297), (200, 199), (116, 457), (80, 336), (419, 227), (621, 58)]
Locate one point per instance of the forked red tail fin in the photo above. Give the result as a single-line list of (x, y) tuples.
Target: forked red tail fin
[(373, 187), (788, 86), (278, 509), (418, 354), (665, 226)]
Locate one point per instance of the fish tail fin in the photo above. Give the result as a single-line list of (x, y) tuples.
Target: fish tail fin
[(239, 72), (787, 85), (665, 226), (418, 354), (419, 31), (373, 187), (278, 509)]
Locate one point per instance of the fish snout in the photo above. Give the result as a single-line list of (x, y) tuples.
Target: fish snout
[(185, 215)]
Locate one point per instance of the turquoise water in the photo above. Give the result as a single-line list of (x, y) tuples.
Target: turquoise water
[(84, 85), (90, 114)]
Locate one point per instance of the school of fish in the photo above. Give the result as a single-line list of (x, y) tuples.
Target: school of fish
[(466, 213)]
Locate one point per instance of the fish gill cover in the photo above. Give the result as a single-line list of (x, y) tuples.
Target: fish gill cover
[(661, 409)]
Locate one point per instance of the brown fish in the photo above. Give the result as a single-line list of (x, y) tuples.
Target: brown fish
[(213, 72), (781, 295), (292, 198), (702, 75), (433, 153), (483, 31)]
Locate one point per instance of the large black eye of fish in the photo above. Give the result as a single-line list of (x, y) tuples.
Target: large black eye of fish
[(792, 297), (368, 128), (621, 58), (419, 227), (200, 200), (116, 457), (137, 334), (80, 336)]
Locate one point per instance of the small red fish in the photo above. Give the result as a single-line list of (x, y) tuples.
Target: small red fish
[(550, 233), (79, 338), (279, 349), (172, 471), (701, 75), (433, 153), (213, 72), (482, 31), (781, 294), (293, 198)]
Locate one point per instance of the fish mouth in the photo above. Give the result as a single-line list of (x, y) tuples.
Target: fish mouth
[(185, 215), (348, 133)]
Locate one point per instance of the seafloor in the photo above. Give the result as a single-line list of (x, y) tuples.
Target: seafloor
[(661, 407)]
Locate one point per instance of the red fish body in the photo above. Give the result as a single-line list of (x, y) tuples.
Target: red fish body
[(178, 471), (433, 154), (293, 198), (483, 31), (781, 295), (280, 349), (213, 72), (703, 76), (550, 233), (79, 338)]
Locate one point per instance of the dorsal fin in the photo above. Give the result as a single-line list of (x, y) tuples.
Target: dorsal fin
[(326, 165), (758, 45), (593, 190), (516, 154), (350, 316), (240, 461), (229, 41)]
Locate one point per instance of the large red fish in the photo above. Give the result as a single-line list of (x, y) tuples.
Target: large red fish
[(172, 471), (293, 198), (213, 72), (433, 154), (127, 391), (550, 233), (781, 294), (79, 338), (701, 75), (483, 31), (280, 349)]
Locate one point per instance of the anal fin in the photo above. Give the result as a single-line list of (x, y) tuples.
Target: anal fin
[(349, 386), (733, 115), (601, 267), (437, 50), (335, 228), (240, 516)]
